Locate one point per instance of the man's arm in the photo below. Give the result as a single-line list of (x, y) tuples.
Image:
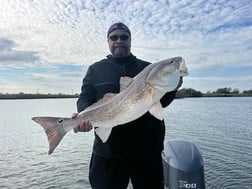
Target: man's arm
[(169, 97), (88, 93), (86, 98)]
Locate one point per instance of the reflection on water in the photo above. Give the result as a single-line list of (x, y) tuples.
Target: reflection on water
[(220, 126)]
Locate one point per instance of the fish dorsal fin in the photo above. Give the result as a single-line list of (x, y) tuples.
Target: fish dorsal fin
[(157, 111), (125, 82), (102, 101), (103, 133)]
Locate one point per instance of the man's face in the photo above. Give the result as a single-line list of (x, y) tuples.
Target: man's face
[(119, 43)]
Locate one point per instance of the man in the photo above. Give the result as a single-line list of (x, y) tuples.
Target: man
[(133, 150)]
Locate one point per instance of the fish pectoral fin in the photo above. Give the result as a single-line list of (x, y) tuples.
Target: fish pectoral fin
[(103, 133), (157, 111)]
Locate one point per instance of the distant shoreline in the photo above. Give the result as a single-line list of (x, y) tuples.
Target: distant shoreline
[(57, 96), (182, 93), (35, 96)]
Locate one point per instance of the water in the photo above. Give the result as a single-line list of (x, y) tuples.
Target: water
[(220, 126), (24, 162)]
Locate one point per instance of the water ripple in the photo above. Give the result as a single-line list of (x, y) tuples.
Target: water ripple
[(220, 126)]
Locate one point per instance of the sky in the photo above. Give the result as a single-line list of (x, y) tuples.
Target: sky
[(46, 46)]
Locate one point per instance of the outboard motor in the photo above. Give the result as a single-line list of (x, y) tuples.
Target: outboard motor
[(182, 165)]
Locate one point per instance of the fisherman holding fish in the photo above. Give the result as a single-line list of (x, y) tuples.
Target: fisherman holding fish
[(133, 150), (122, 98)]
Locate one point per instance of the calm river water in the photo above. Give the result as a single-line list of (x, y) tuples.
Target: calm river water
[(222, 127)]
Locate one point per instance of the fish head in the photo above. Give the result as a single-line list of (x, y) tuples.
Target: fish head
[(165, 75)]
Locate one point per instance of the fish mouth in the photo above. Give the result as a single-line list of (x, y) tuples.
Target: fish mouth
[(183, 70)]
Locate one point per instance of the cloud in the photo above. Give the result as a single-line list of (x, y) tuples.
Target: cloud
[(212, 83), (213, 36), (8, 54), (5, 44), (61, 78)]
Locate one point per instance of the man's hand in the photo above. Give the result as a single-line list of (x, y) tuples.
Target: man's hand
[(82, 126)]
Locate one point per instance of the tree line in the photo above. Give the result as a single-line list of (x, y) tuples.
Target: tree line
[(182, 93), (22, 95), (221, 92)]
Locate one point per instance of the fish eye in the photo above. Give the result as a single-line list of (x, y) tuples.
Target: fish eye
[(60, 120)]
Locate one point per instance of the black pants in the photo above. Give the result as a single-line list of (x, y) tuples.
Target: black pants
[(115, 174)]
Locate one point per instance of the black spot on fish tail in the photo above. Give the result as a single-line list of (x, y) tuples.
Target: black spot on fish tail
[(54, 130)]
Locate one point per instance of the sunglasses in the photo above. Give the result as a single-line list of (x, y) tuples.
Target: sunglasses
[(116, 37)]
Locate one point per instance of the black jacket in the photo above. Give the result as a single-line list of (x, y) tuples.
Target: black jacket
[(141, 137)]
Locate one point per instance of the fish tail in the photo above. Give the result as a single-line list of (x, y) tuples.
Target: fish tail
[(53, 129)]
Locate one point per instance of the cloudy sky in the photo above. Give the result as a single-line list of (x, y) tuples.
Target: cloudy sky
[(46, 46)]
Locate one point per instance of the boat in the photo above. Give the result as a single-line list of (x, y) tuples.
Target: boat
[(183, 165)]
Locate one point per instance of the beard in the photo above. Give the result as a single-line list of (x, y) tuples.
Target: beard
[(121, 51)]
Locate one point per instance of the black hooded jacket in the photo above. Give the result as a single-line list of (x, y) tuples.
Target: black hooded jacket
[(141, 137)]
